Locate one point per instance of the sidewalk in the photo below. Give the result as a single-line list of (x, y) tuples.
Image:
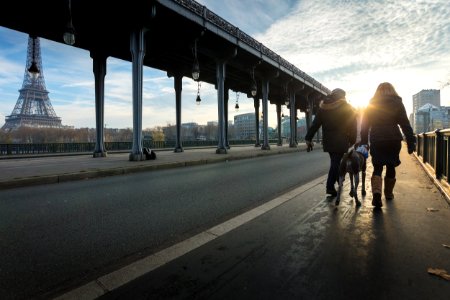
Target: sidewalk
[(45, 170)]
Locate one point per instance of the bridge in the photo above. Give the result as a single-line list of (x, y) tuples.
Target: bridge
[(181, 37), (193, 224)]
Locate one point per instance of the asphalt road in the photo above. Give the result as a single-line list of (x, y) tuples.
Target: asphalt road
[(307, 248), (58, 236)]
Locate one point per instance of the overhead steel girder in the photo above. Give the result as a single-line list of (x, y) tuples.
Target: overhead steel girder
[(98, 27)]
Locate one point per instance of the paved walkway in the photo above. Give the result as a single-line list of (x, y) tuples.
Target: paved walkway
[(45, 170)]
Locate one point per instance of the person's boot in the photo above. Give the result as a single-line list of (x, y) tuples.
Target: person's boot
[(377, 185), (389, 184)]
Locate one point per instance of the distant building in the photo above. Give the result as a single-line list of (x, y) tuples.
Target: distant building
[(426, 96), (286, 128), (430, 117), (244, 126)]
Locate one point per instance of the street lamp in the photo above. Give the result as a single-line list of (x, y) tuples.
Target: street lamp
[(236, 107)]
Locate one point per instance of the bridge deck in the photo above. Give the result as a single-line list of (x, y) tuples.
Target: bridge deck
[(303, 248), (306, 248)]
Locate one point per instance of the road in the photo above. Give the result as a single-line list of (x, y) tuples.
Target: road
[(307, 248), (63, 235)]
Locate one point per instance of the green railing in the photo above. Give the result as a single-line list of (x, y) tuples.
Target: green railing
[(61, 148)]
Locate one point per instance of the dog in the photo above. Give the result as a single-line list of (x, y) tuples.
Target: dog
[(352, 163)]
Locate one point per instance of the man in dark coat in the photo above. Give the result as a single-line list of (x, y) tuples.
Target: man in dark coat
[(339, 126)]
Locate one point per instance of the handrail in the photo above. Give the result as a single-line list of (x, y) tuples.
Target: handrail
[(434, 147)]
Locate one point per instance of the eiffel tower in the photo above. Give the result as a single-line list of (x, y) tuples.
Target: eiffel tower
[(33, 107)]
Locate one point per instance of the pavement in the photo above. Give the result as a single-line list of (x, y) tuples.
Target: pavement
[(37, 170)]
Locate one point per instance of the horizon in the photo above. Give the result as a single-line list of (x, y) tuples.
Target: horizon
[(353, 45)]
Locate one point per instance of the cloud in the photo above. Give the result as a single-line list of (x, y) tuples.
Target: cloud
[(251, 16), (351, 43), (342, 43)]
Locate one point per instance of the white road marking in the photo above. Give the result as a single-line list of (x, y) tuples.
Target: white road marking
[(122, 276)]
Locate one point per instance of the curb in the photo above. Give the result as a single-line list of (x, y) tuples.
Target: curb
[(84, 175)]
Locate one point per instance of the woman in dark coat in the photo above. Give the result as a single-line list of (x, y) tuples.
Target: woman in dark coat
[(381, 119), (338, 121)]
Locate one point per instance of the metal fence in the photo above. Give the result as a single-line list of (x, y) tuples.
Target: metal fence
[(433, 147), (61, 148)]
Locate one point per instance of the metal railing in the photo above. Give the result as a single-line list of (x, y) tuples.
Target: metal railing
[(61, 148), (433, 147)]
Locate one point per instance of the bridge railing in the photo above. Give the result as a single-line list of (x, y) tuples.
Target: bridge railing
[(61, 148), (433, 147)]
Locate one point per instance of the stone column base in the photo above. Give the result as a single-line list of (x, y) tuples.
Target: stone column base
[(100, 154), (221, 151), (136, 156)]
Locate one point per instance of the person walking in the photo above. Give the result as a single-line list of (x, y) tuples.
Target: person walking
[(380, 120), (339, 128)]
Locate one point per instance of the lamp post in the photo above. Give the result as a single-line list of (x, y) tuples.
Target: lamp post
[(253, 87), (69, 34), (33, 69), (195, 66)]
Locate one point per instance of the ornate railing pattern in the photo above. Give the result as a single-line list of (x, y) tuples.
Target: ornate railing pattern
[(210, 16)]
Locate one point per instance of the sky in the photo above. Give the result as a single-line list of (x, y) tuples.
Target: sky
[(351, 44)]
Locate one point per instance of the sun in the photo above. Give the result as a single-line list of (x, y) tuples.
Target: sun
[(358, 98)]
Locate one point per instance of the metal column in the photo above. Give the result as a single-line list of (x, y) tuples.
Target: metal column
[(220, 72), (293, 120), (137, 48), (99, 69), (256, 105), (280, 142), (178, 82), (226, 97), (265, 100)]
